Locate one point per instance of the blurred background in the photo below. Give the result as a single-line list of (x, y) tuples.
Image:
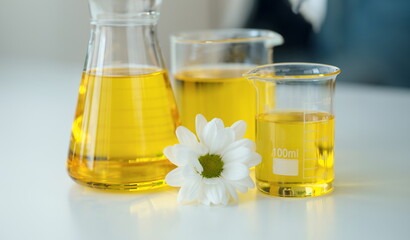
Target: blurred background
[(367, 39)]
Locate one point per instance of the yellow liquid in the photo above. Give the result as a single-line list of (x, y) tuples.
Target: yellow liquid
[(124, 120), (218, 92), (297, 153)]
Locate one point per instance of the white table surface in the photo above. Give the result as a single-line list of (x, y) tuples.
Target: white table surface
[(39, 201)]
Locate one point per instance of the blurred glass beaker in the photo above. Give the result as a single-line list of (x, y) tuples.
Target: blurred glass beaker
[(207, 67), (295, 128), (126, 112)]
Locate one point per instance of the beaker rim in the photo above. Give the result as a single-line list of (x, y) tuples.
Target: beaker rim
[(230, 35), (299, 71)]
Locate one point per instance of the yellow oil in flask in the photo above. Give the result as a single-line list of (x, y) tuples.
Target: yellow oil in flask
[(297, 153), (122, 124), (219, 92)]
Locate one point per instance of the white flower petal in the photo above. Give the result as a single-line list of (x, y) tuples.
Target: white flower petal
[(201, 149), (171, 151), (169, 154), (217, 143), (209, 132), (182, 194), (216, 193), (175, 178), (184, 155), (240, 143), (221, 190), (231, 191), (235, 171), (210, 194), (240, 129), (197, 166), (248, 182), (203, 198), (194, 191), (243, 184), (190, 191), (256, 159), (200, 122), (223, 138), (186, 137), (241, 188), (240, 155), (216, 136), (211, 181), (219, 123), (190, 172), (225, 198)]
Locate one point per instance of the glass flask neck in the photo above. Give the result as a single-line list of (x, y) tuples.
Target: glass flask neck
[(124, 36), (124, 12)]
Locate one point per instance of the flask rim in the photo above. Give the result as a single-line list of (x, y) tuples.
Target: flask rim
[(226, 36), (292, 71)]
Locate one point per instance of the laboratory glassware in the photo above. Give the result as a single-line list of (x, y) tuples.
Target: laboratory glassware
[(207, 68), (295, 128), (126, 112)]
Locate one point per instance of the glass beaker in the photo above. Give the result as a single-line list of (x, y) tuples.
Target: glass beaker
[(295, 128), (126, 112), (207, 68)]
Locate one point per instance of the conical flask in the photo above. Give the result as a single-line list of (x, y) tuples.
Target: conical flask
[(126, 112)]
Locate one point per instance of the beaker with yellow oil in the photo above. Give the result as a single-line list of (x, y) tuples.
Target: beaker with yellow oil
[(295, 128), (207, 67), (126, 113)]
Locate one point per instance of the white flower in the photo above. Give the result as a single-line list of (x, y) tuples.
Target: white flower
[(213, 169)]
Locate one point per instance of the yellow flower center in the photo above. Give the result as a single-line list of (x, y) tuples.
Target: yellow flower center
[(212, 165)]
